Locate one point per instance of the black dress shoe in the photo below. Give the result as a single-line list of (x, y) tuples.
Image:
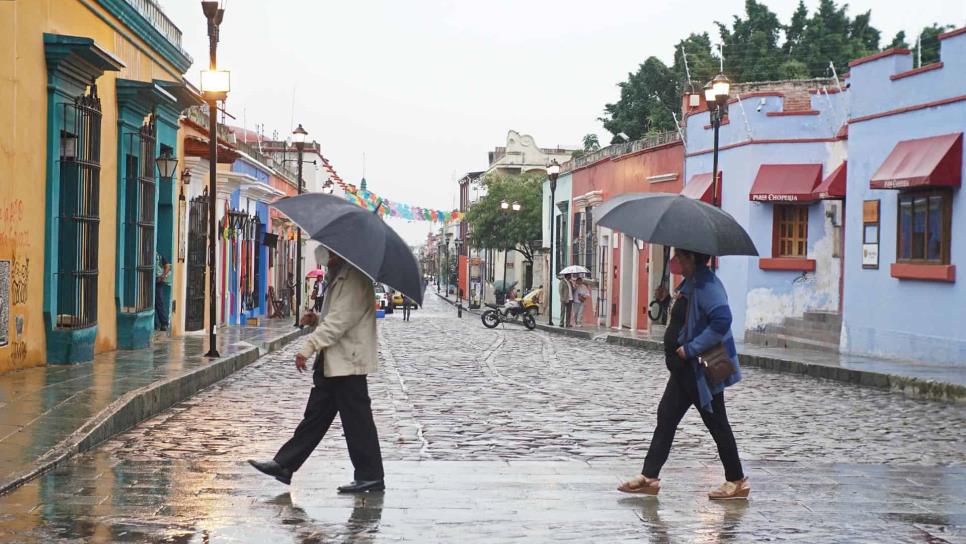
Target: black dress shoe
[(362, 486), (272, 468)]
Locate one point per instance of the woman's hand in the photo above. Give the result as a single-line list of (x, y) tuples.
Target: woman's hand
[(681, 353)]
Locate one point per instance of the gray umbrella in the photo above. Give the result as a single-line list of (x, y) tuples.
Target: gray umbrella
[(677, 221), (359, 236)]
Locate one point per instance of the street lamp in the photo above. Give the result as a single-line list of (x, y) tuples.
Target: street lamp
[(507, 209), (449, 237), (328, 187), (716, 94), (459, 290), (298, 138), (215, 85), (553, 170), (167, 165)]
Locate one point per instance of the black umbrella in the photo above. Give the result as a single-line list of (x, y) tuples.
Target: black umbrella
[(677, 221), (359, 236)]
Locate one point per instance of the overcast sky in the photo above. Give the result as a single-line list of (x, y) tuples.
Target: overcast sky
[(426, 87)]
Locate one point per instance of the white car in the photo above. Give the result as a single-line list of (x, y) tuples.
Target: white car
[(382, 297)]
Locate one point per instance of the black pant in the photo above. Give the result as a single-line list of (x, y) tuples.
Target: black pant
[(406, 311), (160, 308), (680, 394), (349, 397)]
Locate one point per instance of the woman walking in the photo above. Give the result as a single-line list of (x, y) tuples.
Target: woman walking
[(700, 321)]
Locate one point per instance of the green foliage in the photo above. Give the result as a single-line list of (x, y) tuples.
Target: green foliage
[(492, 228), (930, 42), (757, 47), (591, 143), (899, 41)]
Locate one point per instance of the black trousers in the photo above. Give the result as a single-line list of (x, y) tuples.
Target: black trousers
[(349, 397), (680, 394), (406, 310)]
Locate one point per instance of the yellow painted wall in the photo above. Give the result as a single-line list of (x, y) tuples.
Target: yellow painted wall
[(23, 138)]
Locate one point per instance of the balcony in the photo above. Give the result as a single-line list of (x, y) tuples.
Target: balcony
[(154, 14)]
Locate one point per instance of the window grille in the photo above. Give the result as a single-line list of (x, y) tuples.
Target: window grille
[(79, 212), (139, 257)]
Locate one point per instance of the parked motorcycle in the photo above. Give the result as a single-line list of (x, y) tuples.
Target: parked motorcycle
[(514, 313)]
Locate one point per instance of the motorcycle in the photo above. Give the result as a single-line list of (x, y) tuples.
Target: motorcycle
[(514, 313)]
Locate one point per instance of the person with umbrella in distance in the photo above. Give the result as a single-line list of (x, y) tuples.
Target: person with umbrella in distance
[(699, 348), (362, 249)]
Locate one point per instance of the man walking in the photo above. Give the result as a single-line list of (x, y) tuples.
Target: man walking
[(566, 300), (346, 343), (407, 304)]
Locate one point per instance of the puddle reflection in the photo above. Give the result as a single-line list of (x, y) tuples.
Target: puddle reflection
[(714, 523), (361, 527)]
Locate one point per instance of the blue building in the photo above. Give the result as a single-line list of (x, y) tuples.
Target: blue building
[(781, 170), (561, 220), (905, 209)]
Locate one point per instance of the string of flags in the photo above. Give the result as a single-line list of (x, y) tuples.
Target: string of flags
[(387, 208)]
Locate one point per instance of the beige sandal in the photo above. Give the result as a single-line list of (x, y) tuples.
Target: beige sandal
[(642, 485), (731, 490)]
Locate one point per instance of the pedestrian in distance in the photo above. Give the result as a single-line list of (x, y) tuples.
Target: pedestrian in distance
[(700, 323), (407, 305), (318, 294), (581, 297), (346, 346), (565, 290), (162, 283)]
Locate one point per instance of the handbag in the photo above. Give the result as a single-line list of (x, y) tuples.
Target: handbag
[(717, 364), (715, 360)]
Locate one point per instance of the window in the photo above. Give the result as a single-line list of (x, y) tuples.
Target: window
[(79, 216), (139, 219), (589, 239), (576, 239), (790, 234), (561, 237), (924, 227)]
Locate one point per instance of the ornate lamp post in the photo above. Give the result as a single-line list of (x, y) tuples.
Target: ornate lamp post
[(215, 85), (553, 170), (449, 238), (182, 211), (459, 290), (716, 94), (298, 138), (507, 209)]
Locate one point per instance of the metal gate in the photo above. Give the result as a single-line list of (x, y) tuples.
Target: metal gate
[(194, 315)]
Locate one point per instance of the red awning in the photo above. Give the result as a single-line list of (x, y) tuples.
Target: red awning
[(832, 187), (699, 187), (786, 182), (934, 161)]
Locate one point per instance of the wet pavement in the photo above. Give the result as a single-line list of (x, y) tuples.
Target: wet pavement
[(41, 407), (513, 435)]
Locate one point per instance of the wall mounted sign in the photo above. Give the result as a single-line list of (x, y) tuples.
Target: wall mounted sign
[(870, 234)]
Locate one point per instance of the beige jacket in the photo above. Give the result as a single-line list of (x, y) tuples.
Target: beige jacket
[(346, 333), (565, 290)]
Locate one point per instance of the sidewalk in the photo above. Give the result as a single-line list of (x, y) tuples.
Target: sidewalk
[(49, 413), (917, 379)]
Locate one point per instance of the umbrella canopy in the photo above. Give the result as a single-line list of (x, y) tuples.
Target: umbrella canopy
[(678, 221), (359, 236), (575, 269), (315, 273)]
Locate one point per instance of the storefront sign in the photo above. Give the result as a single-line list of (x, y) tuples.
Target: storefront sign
[(870, 234), (775, 198)]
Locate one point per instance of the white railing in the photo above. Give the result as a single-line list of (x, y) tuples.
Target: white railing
[(151, 11)]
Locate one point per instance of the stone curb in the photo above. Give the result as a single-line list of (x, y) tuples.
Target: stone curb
[(145, 402), (909, 386)]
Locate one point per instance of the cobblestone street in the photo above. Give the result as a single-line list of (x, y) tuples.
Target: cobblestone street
[(505, 434)]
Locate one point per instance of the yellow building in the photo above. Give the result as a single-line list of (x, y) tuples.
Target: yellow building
[(90, 94)]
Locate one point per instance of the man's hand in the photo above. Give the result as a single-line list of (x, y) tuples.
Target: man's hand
[(681, 353), (309, 319), (301, 363)]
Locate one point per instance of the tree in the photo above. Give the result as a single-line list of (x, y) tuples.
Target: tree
[(702, 65), (929, 41), (591, 143), (751, 51), (643, 107), (899, 41), (831, 36), (492, 228)]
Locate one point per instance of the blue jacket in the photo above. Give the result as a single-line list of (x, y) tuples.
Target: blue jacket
[(708, 323)]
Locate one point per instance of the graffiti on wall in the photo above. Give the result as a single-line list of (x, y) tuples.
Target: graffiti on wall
[(4, 302), (13, 234)]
